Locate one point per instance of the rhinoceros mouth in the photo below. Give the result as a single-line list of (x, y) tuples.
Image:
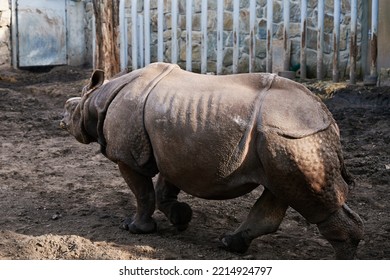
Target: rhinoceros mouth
[(63, 125)]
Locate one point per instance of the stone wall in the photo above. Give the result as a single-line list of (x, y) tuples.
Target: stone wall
[(5, 24), (261, 23)]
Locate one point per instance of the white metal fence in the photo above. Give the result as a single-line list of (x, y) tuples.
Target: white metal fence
[(141, 35)]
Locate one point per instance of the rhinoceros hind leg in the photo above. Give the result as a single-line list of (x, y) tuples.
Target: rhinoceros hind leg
[(143, 190), (179, 213), (264, 217), (237, 242), (130, 225), (343, 229)]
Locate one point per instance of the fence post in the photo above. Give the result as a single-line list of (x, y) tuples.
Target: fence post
[(189, 35), (141, 41), (286, 34), (219, 36), (252, 36), (353, 46), (174, 14), (320, 39), (303, 38), (134, 38), (204, 36), (336, 40), (269, 35), (236, 34), (160, 30), (374, 37), (147, 31), (123, 35)]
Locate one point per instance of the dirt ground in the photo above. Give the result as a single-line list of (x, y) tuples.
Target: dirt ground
[(60, 199)]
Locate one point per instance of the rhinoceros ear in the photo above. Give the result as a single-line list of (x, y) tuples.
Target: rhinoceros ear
[(97, 79)]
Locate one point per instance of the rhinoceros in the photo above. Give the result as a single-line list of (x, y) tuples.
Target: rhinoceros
[(220, 137)]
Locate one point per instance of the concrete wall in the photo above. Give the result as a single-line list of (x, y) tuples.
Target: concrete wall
[(76, 32), (79, 32)]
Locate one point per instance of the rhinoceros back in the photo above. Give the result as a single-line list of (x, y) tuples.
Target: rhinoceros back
[(291, 110), (203, 124)]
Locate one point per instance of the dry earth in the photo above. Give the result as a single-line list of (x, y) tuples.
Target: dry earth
[(63, 200)]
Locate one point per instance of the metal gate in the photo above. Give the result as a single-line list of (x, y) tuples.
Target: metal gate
[(41, 32)]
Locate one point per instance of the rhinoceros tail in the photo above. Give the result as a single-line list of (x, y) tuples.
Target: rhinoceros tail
[(347, 176), (344, 172)]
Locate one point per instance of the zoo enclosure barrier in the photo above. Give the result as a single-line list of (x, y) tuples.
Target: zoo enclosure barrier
[(317, 39)]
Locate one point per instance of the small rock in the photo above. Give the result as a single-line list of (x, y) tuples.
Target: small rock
[(56, 216)]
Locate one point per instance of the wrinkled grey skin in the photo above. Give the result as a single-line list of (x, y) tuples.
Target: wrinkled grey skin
[(219, 137)]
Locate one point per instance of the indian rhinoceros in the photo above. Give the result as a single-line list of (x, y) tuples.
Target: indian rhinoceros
[(220, 137)]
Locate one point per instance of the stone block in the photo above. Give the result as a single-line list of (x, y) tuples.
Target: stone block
[(384, 77), (196, 22), (228, 57), (5, 18), (278, 12), (243, 64), (4, 5), (228, 21), (4, 54), (4, 35), (277, 56)]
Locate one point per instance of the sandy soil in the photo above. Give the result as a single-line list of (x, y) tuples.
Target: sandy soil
[(60, 199)]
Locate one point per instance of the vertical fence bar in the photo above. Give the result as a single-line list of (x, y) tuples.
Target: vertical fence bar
[(219, 36), (286, 34), (374, 37), (134, 38), (14, 36), (147, 31), (174, 15), (353, 46), (189, 35), (204, 36), (236, 31), (123, 35), (269, 35), (252, 44), (320, 39), (160, 30), (141, 54), (303, 38), (336, 40), (93, 40)]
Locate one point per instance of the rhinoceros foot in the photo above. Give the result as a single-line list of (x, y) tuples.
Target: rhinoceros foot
[(180, 214), (134, 227), (237, 242)]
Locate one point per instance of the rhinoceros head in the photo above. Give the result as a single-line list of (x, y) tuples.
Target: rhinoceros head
[(74, 117)]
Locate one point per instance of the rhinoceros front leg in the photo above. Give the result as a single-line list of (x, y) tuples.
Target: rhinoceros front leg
[(264, 217), (179, 213), (142, 187)]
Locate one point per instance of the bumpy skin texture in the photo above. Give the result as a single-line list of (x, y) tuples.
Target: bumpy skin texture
[(219, 137)]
